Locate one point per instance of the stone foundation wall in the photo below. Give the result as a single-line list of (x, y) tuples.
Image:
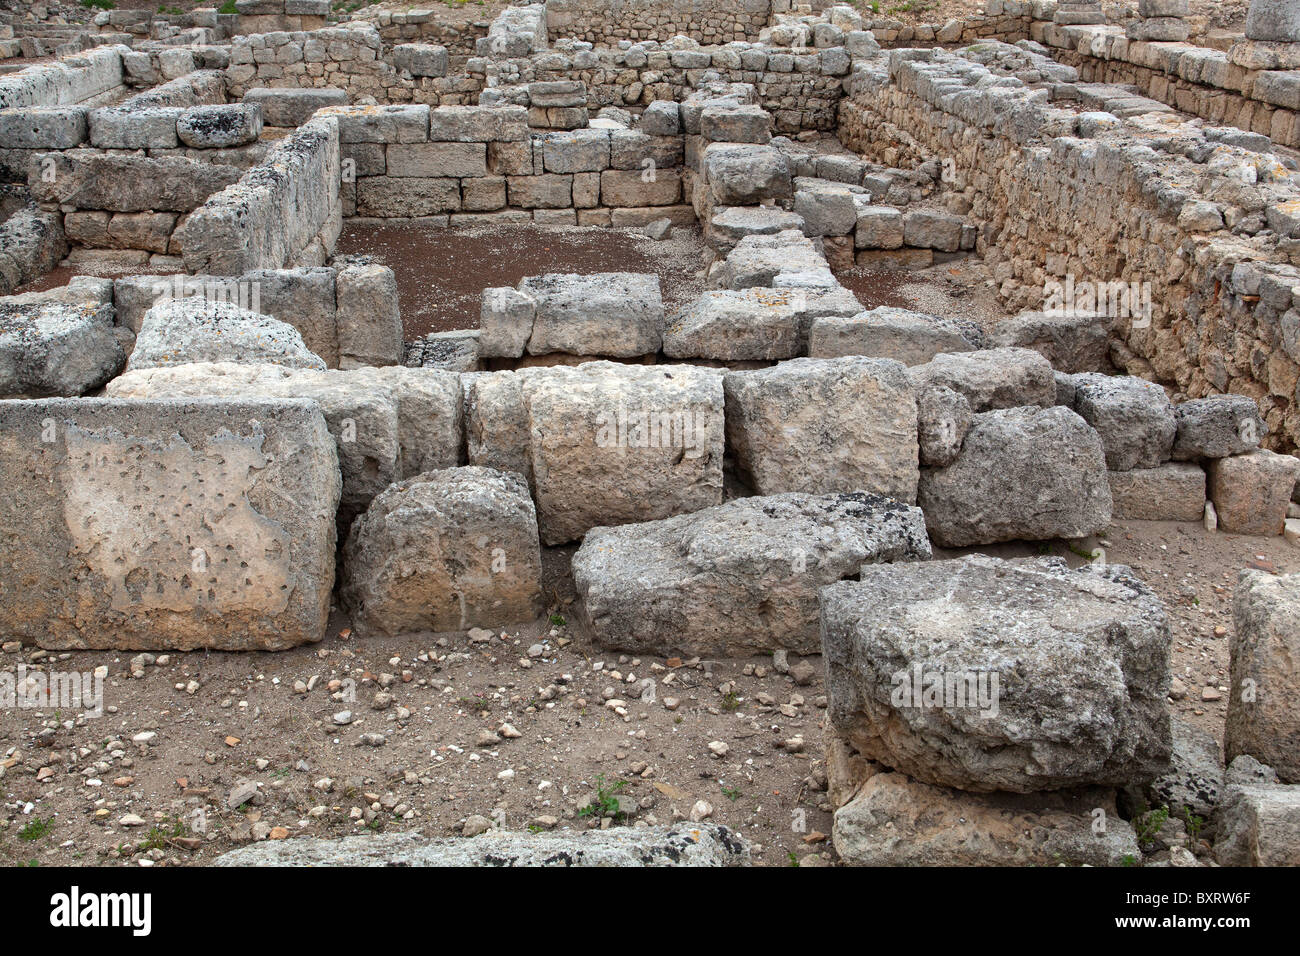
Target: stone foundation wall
[(468, 163), (1196, 80), (710, 21), (285, 211), (1060, 199)]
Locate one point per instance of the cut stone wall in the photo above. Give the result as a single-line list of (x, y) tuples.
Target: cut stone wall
[(1061, 196), (711, 21), (284, 212)]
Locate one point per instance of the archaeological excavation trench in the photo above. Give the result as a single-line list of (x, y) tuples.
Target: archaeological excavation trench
[(799, 352)]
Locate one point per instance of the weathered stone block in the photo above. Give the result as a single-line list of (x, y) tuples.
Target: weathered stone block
[(823, 426), (739, 578), (1022, 474), (992, 675), (445, 551), (221, 535)]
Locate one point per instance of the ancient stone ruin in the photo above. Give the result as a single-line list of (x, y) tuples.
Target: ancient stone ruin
[(897, 488)]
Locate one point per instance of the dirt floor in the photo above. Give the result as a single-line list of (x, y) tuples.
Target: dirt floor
[(153, 781), (441, 273)]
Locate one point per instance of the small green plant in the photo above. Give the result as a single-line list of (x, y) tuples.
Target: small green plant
[(606, 802), (99, 4), (731, 793), (730, 700), (1129, 860), (157, 837), (228, 8), (1194, 824), (558, 621), (36, 829), (1087, 555), (794, 860), (1148, 825)]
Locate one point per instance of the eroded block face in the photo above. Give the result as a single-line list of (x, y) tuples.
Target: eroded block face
[(445, 551), (613, 444), (167, 524)]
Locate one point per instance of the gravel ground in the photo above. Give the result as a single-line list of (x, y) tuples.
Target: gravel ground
[(255, 742)]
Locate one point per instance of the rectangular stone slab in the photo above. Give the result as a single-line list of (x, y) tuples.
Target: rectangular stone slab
[(166, 525)]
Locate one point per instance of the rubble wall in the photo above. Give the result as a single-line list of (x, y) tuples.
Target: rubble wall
[(1061, 201)]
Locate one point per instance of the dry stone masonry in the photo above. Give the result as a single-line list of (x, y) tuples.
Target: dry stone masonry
[(216, 431)]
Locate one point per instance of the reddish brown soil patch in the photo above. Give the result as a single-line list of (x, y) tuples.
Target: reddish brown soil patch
[(442, 272)]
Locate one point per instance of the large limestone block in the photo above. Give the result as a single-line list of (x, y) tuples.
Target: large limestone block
[(369, 317), (619, 314), (59, 342), (754, 324), (1217, 427), (1259, 826), (896, 821), (1070, 341), (389, 423), (127, 182), (992, 378), (769, 260), (363, 420), (497, 434), (505, 322), (746, 174), (694, 844), (613, 444), (1022, 474), (1133, 416), (194, 329), (445, 551), (166, 524), (1265, 672), (739, 578), (1251, 492), (825, 425), (912, 338), (984, 674), (1174, 491)]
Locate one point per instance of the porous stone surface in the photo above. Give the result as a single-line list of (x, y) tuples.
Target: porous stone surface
[(912, 338), (992, 378), (1022, 474), (389, 424), (1080, 657), (293, 107), (738, 578), (619, 314), (684, 844), (220, 126), (505, 322), (193, 329), (1251, 492), (1217, 427), (614, 444), (59, 342), (753, 324), (896, 821), (1259, 826), (825, 425), (1070, 341), (1133, 416), (221, 534), (445, 551), (1174, 491), (1195, 780), (1265, 672), (746, 174), (369, 317), (942, 417)]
